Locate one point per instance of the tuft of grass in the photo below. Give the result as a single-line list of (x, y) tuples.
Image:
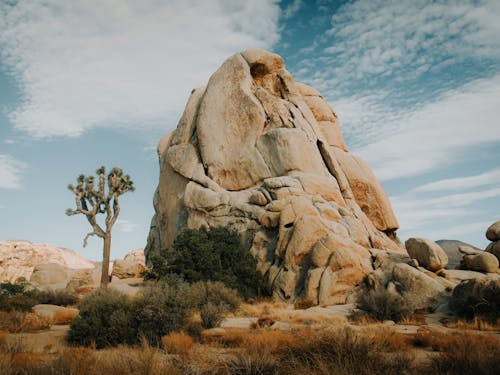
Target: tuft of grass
[(66, 316), (177, 343)]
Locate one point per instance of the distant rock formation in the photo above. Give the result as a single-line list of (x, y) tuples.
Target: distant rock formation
[(19, 258), (264, 154), (450, 247)]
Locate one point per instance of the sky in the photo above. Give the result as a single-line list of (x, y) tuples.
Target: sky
[(416, 85)]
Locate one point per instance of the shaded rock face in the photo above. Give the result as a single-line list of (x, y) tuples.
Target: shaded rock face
[(19, 258), (263, 154)]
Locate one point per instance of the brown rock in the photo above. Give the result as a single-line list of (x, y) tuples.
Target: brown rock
[(428, 253), (51, 275), (494, 248), (481, 262), (123, 269), (258, 152), (493, 231)]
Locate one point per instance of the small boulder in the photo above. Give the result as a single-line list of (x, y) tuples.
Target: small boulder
[(51, 275), (123, 269), (493, 232), (84, 278), (428, 253), (416, 286), (136, 256), (494, 248), (482, 262)]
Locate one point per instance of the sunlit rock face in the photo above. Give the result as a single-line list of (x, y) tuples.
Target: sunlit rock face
[(18, 259), (263, 154)]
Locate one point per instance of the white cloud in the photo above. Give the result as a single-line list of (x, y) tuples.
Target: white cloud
[(458, 183), (292, 9), (376, 37), (88, 63), (10, 170), (436, 135), (126, 225)]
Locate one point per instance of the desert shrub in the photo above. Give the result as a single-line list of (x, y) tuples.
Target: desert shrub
[(216, 293), (109, 318), (211, 315), (177, 343), (16, 297), (55, 297), (162, 308), (477, 298), (22, 321), (382, 305), (106, 319), (216, 254)]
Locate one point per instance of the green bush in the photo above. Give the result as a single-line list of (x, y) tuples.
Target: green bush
[(162, 308), (382, 305), (477, 298), (106, 318), (16, 297), (109, 318), (216, 254)]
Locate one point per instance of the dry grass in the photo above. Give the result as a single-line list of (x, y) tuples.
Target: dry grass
[(464, 353), (388, 338), (65, 316), (475, 324), (261, 308), (18, 321), (177, 343)]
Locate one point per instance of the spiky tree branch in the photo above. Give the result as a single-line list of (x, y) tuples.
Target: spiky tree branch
[(91, 200)]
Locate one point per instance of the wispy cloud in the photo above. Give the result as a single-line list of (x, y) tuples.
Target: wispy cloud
[(293, 8), (436, 135), (126, 225), (10, 172), (377, 37), (87, 63), (459, 183)]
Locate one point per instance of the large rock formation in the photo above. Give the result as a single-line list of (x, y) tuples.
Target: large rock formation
[(261, 153), (19, 258)]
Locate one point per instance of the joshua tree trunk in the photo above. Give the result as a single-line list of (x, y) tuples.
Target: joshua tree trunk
[(105, 260)]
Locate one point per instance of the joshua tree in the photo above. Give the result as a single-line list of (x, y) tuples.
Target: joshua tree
[(92, 199)]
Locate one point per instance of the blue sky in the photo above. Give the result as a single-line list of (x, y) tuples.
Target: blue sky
[(416, 84)]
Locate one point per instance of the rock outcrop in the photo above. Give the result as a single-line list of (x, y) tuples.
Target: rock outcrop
[(481, 261), (261, 153), (19, 258)]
